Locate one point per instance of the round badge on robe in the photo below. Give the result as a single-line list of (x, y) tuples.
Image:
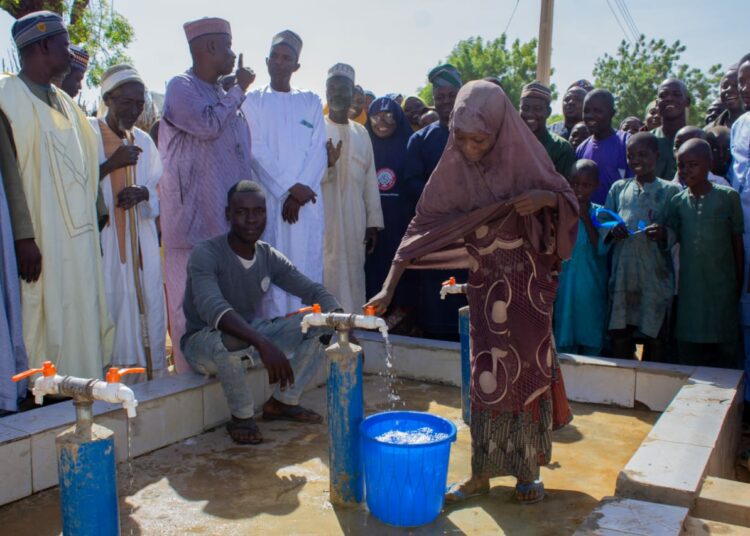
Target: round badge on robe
[(386, 179)]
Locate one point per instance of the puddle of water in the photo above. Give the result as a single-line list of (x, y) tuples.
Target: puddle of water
[(198, 496)]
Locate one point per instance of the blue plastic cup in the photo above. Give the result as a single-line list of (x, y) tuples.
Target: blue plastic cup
[(405, 483)]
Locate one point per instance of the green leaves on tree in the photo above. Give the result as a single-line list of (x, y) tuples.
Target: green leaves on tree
[(93, 24), (634, 72), (476, 58)]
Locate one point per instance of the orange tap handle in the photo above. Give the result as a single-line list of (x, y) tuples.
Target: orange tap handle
[(450, 281), (370, 310), (47, 369), (21, 375), (315, 308), (114, 374)]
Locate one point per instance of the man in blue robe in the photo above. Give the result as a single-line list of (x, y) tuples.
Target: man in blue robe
[(437, 318)]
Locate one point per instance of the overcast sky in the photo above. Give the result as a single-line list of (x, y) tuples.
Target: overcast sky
[(392, 44)]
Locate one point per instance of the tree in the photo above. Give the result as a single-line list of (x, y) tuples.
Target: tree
[(633, 76), (476, 58), (92, 24)]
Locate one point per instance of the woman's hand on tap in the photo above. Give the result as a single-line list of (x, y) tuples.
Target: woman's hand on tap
[(380, 301)]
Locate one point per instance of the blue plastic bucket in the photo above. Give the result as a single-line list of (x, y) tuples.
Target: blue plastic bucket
[(405, 483)]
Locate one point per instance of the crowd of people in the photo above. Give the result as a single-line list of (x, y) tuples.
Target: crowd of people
[(244, 204)]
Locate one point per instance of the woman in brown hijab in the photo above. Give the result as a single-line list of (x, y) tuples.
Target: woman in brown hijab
[(496, 205)]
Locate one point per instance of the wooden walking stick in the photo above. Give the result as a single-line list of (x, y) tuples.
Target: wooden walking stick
[(135, 256)]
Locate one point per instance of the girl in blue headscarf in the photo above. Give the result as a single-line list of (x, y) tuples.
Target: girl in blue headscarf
[(389, 131)]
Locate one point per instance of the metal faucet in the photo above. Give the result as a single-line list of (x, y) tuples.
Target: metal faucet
[(342, 322), (83, 391), (451, 287)]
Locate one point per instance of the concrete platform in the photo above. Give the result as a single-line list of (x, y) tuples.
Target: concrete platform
[(703, 527), (616, 516), (208, 485), (696, 436), (725, 501)]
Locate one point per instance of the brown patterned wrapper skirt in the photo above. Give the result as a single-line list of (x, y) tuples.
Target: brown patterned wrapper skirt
[(518, 443)]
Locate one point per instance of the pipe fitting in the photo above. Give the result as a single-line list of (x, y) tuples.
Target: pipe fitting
[(83, 390), (342, 322)]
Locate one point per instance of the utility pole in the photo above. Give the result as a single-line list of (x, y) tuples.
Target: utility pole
[(544, 51)]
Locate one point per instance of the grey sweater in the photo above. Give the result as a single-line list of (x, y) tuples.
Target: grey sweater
[(218, 282)]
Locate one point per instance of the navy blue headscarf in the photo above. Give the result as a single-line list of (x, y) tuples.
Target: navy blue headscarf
[(389, 152), (398, 207)]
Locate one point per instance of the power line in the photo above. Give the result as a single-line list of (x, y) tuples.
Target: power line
[(619, 23), (626, 22), (511, 17), (628, 18), (618, 5)]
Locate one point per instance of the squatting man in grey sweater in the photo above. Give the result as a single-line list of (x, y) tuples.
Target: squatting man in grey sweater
[(227, 277)]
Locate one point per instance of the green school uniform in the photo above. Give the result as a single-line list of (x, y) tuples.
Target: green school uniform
[(666, 165), (707, 308), (560, 152)]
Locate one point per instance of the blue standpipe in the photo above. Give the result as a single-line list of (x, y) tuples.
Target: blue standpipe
[(86, 466), (87, 476), (463, 331), (345, 400), (345, 413)]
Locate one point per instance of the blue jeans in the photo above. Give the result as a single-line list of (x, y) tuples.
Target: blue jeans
[(214, 353)]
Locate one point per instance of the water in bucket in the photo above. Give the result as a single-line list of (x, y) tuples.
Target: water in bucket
[(420, 436), (406, 465)]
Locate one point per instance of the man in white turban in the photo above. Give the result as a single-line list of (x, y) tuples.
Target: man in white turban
[(350, 195), (289, 160), (129, 170)]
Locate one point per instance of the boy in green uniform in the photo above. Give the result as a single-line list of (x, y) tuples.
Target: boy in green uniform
[(707, 219)]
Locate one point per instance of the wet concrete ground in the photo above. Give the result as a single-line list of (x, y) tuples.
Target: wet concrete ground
[(208, 485)]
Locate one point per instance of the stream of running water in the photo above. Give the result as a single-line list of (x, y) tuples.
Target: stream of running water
[(390, 375)]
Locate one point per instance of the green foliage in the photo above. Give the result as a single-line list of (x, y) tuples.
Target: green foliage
[(19, 8), (476, 58), (105, 34), (93, 24), (634, 73)]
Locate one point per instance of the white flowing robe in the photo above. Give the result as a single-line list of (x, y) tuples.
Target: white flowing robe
[(64, 313), (119, 282), (352, 204), (288, 148)]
